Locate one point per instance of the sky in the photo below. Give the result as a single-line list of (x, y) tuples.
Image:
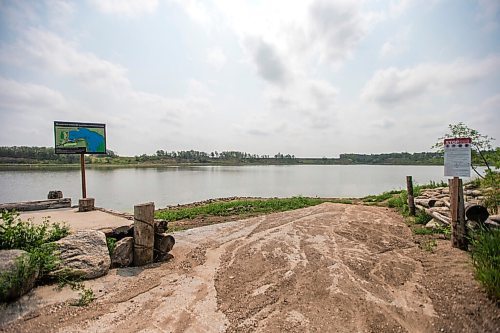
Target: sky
[(312, 78)]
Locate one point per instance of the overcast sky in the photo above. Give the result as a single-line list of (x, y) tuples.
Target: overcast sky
[(309, 78)]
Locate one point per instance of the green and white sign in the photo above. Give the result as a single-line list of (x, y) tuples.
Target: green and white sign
[(79, 138)]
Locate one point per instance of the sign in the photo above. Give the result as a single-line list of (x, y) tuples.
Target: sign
[(79, 138), (457, 157)]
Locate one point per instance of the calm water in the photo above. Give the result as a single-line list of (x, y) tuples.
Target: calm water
[(120, 189)]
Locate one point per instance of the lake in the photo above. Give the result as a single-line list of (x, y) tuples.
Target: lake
[(121, 188)]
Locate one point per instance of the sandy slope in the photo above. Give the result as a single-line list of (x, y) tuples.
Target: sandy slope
[(328, 268)]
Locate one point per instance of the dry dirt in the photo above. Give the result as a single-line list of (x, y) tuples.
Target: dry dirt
[(327, 268)]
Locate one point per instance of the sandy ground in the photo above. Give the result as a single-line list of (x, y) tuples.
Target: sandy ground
[(327, 268), (77, 220)]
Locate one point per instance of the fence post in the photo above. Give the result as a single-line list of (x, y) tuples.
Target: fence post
[(457, 207), (143, 233), (411, 199)]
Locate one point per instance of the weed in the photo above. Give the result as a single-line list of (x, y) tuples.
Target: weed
[(111, 243), (86, 297), (378, 198), (486, 259), (433, 231), (429, 245)]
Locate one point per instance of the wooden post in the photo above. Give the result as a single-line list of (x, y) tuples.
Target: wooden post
[(457, 208), (82, 167), (411, 199), (144, 236)]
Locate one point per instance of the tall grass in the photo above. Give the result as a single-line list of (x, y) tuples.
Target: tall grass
[(486, 259)]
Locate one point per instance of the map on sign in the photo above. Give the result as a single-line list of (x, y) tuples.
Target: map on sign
[(78, 138)]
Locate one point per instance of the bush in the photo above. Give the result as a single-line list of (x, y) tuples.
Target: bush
[(37, 240), (486, 259)]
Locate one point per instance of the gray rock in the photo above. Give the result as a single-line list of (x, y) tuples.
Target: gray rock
[(123, 254), (85, 253), (433, 224), (16, 274)]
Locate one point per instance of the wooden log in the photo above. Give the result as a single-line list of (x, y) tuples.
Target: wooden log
[(495, 218), (476, 213), (458, 226), (446, 203), (37, 205), (163, 245), (411, 202), (143, 233), (438, 216), (426, 202)]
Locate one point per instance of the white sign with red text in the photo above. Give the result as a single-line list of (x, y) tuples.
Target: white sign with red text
[(457, 157)]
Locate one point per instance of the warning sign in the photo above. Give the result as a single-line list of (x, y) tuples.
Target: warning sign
[(457, 157)]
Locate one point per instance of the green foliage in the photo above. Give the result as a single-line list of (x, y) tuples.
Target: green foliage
[(111, 243), (400, 202), (37, 240), (422, 217), (433, 231), (226, 208), (485, 253), (25, 235), (491, 191), (482, 149), (67, 277), (380, 197), (14, 280)]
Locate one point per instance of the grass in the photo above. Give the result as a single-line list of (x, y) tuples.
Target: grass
[(240, 207), (486, 259), (422, 217)]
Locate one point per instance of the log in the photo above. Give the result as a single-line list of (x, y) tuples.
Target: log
[(37, 205), (495, 218), (436, 215), (425, 202), (411, 201), (143, 233), (163, 245), (476, 213), (446, 203)]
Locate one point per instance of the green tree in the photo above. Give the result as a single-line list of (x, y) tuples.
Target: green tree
[(481, 144)]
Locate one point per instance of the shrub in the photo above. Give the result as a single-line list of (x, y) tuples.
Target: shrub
[(422, 217)]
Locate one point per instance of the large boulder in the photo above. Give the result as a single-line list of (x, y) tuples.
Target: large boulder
[(123, 254), (85, 253), (17, 276)]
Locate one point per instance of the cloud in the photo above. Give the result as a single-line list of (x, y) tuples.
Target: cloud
[(269, 64), (336, 28), (396, 45), (46, 50), (129, 8), (216, 58), (393, 86), (488, 14)]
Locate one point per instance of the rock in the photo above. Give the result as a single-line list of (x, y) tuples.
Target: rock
[(123, 254), (85, 253), (163, 244), (16, 274), (55, 195)]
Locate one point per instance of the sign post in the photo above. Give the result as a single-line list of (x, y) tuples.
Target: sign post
[(80, 138), (457, 162)]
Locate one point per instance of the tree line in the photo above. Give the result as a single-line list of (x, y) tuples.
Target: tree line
[(28, 155)]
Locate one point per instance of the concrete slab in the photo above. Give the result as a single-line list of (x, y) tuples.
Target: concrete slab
[(78, 220)]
